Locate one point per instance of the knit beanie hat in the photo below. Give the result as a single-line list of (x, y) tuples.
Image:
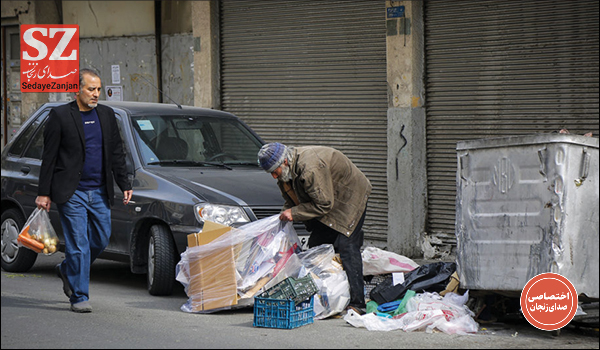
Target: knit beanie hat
[(271, 156)]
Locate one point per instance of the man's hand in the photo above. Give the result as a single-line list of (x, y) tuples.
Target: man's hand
[(127, 196), (286, 215), (43, 202)]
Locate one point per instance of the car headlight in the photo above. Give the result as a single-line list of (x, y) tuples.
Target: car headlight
[(221, 214)]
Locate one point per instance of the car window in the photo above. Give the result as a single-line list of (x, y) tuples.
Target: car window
[(195, 139), (26, 135), (36, 146), (126, 146), (120, 119)]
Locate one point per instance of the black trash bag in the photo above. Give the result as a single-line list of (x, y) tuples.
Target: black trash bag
[(432, 277)]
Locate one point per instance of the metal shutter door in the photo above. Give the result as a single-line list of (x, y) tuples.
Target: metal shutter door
[(502, 68), (312, 72)]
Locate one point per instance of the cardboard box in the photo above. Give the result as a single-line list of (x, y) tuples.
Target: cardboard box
[(212, 273)]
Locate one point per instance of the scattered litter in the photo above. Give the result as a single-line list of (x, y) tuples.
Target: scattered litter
[(432, 277), (424, 311)]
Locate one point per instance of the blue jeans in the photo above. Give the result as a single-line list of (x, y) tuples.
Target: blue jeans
[(85, 220)]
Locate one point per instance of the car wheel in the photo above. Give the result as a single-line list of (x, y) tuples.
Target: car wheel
[(15, 258), (161, 261)]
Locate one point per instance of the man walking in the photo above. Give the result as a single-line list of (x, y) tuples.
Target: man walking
[(83, 150)]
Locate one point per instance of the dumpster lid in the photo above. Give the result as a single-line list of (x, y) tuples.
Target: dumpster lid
[(527, 140)]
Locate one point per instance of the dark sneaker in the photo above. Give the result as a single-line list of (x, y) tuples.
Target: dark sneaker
[(66, 285), (359, 311), (81, 307)]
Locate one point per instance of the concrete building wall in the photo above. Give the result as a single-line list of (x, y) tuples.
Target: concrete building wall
[(177, 52), (205, 23), (406, 174), (97, 19), (42, 12), (178, 68), (136, 58), (118, 33), (176, 17), (124, 33)]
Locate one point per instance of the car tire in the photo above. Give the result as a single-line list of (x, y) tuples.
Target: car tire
[(15, 258), (161, 261)]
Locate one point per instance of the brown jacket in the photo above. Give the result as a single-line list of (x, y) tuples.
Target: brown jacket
[(329, 188)]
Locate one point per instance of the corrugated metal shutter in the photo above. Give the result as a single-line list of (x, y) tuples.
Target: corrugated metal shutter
[(502, 68), (312, 72)]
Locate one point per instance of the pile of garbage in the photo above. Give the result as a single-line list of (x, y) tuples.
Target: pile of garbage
[(406, 296), (225, 268), (416, 312)]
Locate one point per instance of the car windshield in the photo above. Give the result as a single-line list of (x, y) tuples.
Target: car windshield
[(194, 140)]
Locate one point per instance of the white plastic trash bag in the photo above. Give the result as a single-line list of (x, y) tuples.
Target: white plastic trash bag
[(377, 261), (372, 322)]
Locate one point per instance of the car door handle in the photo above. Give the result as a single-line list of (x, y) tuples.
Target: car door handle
[(25, 170)]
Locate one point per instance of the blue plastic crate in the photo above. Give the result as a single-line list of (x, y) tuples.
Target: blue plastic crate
[(282, 313)]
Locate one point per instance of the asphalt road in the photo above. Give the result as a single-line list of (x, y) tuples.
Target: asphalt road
[(35, 314)]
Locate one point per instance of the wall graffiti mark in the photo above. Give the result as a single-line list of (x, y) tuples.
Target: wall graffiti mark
[(400, 150)]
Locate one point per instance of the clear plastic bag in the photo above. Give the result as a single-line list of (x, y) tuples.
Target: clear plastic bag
[(448, 314), (38, 234), (267, 254), (331, 280), (462, 325), (246, 261), (238, 265)]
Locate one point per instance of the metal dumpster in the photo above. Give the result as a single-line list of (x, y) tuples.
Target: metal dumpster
[(527, 205)]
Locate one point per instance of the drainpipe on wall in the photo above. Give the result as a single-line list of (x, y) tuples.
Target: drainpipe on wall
[(4, 91), (157, 34)]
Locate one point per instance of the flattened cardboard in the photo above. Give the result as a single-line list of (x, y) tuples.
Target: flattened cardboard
[(212, 275)]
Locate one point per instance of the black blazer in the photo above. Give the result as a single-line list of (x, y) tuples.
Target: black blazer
[(64, 153)]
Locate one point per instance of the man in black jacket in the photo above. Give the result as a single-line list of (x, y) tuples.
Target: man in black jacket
[(83, 150)]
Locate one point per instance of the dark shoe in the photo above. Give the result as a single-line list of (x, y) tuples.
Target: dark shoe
[(66, 285), (81, 307), (359, 311)]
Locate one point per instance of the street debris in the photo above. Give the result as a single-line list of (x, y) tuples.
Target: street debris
[(424, 311)]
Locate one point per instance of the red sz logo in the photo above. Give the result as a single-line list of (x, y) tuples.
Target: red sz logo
[(49, 58)]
